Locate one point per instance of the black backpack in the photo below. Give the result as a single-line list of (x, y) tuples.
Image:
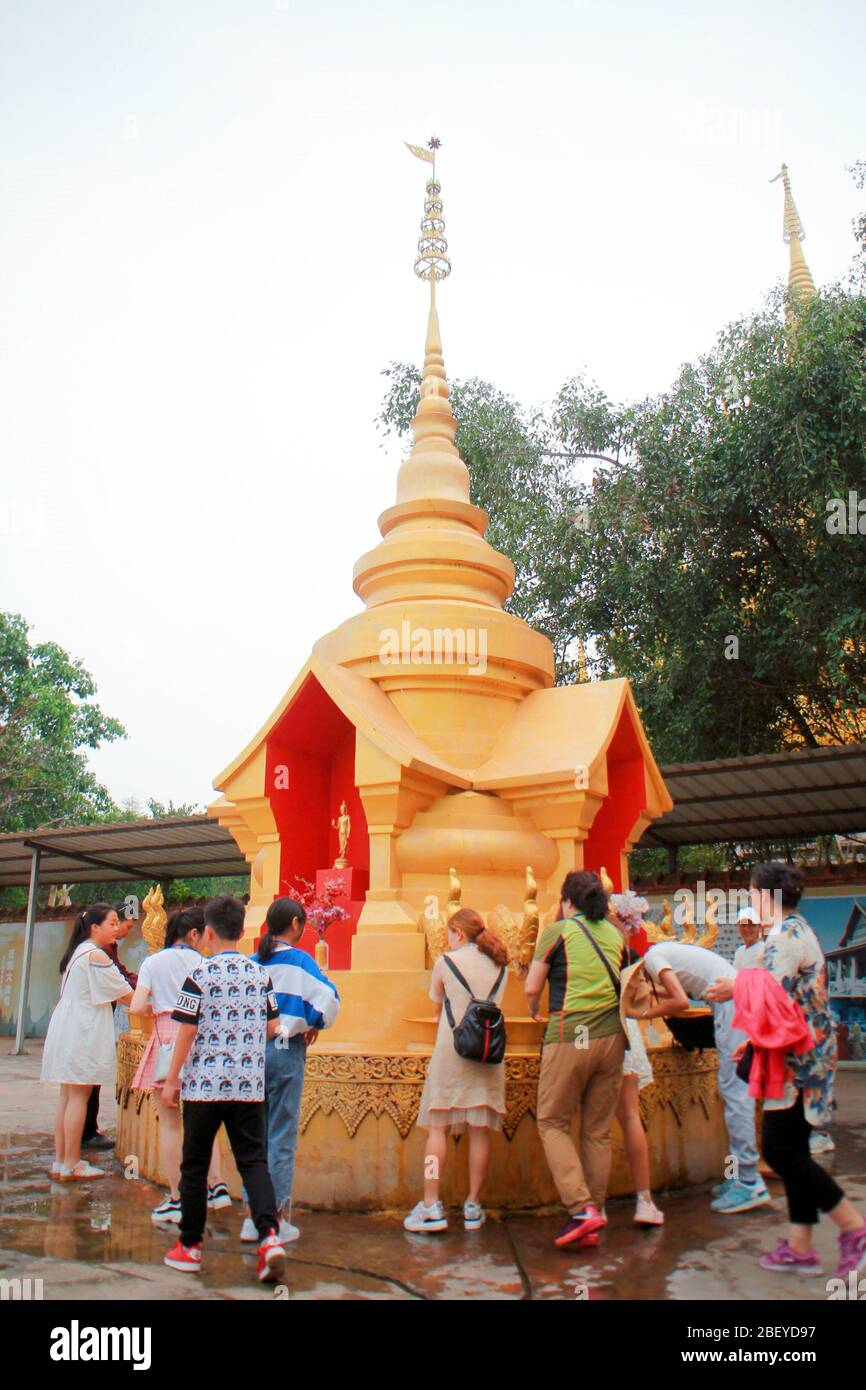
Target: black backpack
[(480, 1034)]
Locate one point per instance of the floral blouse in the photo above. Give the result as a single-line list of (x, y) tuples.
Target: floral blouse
[(794, 957)]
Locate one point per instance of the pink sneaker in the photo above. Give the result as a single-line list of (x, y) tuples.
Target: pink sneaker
[(581, 1226), (852, 1252), (784, 1260)]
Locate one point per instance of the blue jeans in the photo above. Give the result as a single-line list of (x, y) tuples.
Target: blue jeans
[(284, 1084), (739, 1105)]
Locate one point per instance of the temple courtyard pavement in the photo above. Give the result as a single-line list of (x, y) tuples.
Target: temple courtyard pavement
[(98, 1242)]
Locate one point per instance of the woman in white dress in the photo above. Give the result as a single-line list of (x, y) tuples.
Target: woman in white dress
[(79, 1049)]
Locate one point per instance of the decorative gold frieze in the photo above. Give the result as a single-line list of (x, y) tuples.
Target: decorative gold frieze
[(130, 1050), (354, 1086)]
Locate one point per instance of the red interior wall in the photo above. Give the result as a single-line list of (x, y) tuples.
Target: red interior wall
[(301, 812), (315, 742), (624, 803)]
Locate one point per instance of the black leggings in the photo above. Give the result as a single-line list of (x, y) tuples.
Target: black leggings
[(91, 1119), (785, 1145), (245, 1126)]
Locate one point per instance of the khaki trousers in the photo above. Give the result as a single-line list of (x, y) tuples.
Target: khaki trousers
[(581, 1081)]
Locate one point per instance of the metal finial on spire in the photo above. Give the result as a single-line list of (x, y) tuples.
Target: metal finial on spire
[(432, 261)]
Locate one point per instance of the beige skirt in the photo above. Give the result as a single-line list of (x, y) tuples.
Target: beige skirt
[(457, 1118)]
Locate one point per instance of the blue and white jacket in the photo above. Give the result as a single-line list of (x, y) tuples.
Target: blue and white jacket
[(305, 997)]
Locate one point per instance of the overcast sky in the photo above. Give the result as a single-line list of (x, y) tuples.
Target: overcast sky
[(208, 230)]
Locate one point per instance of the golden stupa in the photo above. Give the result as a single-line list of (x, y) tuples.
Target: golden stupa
[(469, 777)]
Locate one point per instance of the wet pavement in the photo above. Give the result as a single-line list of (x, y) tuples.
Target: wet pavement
[(97, 1241)]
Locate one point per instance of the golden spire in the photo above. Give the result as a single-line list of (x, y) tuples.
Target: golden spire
[(432, 538), (434, 425), (800, 280)]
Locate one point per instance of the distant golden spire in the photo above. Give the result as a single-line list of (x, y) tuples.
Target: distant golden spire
[(581, 660), (800, 280)]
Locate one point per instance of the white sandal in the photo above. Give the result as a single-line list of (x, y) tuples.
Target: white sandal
[(82, 1172)]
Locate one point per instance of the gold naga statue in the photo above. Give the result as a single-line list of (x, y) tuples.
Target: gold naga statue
[(454, 891), (711, 927), (663, 930), (153, 927), (155, 919), (518, 934), (433, 924), (689, 931)]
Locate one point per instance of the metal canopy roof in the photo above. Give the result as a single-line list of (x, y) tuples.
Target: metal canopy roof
[(165, 847), (771, 796), (801, 792)]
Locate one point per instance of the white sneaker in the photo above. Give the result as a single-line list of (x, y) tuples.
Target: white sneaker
[(820, 1142), (287, 1232), (423, 1218), (167, 1211), (647, 1213), (218, 1197), (474, 1215)]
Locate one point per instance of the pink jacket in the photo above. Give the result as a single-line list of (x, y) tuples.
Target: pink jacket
[(775, 1025)]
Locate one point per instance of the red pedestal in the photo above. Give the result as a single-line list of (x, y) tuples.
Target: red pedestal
[(354, 883)]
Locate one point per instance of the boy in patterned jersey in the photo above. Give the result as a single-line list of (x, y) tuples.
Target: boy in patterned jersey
[(223, 1083)]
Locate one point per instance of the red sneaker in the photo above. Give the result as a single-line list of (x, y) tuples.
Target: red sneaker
[(186, 1258), (581, 1226), (272, 1260)]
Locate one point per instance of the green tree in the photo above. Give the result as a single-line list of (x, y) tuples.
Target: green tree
[(714, 569), (158, 809), (48, 719)]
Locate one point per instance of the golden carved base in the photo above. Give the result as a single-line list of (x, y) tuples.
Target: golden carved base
[(359, 1146), (355, 1085)]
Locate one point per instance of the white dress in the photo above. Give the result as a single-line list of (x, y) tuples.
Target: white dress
[(636, 1062), (79, 1048)]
